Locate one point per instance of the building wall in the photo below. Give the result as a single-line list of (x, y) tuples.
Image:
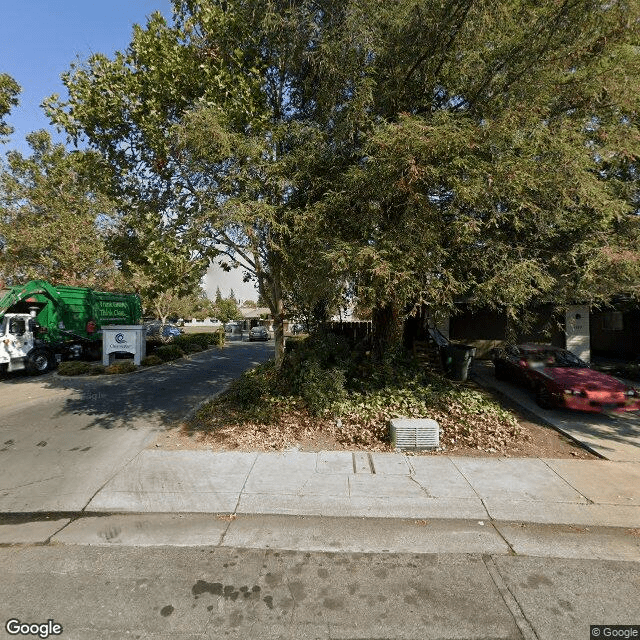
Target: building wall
[(615, 333), (486, 329)]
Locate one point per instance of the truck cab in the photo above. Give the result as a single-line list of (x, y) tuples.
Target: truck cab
[(20, 347)]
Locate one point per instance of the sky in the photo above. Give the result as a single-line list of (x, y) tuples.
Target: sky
[(39, 39)]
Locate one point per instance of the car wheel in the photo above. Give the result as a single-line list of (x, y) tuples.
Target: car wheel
[(40, 362), (543, 397)]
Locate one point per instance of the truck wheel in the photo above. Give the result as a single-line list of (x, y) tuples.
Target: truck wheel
[(40, 361)]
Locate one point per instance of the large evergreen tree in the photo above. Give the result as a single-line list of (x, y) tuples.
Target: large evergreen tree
[(489, 150)]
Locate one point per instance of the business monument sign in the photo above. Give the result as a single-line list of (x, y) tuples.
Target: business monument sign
[(128, 338)]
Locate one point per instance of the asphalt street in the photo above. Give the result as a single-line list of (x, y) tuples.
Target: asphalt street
[(197, 593), (62, 438)]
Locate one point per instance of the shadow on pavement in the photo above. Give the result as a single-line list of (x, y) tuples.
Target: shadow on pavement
[(162, 395)]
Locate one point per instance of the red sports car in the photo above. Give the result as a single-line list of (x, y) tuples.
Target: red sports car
[(561, 379)]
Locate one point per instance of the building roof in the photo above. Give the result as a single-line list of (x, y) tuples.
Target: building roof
[(248, 312)]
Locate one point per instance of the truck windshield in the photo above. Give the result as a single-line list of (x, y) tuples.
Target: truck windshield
[(17, 326)]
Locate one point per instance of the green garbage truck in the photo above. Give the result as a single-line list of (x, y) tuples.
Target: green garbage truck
[(42, 324)]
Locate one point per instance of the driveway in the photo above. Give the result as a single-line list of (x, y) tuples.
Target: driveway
[(63, 438), (614, 437)]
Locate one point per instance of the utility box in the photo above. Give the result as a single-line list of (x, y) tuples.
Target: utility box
[(415, 433), (128, 338)]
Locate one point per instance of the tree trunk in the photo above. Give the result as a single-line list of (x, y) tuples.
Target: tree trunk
[(277, 309), (387, 330)]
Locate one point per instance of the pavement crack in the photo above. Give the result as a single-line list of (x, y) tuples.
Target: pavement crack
[(512, 551), (29, 484), (509, 599), (588, 500), (461, 472), (235, 509), (412, 478), (64, 526), (109, 479), (371, 465)]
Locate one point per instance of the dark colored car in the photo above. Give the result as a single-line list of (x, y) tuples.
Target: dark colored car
[(168, 330), (258, 333), (561, 379), (297, 329)]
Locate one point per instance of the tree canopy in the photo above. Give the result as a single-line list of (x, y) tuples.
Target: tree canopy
[(54, 216), (409, 150), (9, 91)]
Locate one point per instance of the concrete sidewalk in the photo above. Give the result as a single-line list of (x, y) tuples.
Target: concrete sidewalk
[(354, 501), (376, 485)]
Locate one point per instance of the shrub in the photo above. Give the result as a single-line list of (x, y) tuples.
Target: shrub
[(193, 347), (97, 369), (314, 368), (185, 341), (249, 389), (168, 352), (217, 338), (124, 366), (321, 388), (74, 368), (151, 361)]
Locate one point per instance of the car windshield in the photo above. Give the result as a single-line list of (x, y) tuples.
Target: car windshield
[(554, 359)]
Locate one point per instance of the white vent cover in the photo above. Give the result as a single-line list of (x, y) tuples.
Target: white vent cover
[(415, 433)]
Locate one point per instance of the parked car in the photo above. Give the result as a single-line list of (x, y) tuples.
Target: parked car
[(297, 328), (167, 331), (561, 379), (258, 333)]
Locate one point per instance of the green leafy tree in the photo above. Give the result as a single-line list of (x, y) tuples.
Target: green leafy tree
[(159, 262), (196, 120), (55, 212), (9, 91), (416, 150), (194, 305), (473, 143), (227, 310)]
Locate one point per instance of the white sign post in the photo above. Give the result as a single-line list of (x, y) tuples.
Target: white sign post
[(128, 338), (577, 331)]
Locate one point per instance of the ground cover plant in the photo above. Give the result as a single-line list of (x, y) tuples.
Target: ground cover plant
[(326, 393), (79, 368)]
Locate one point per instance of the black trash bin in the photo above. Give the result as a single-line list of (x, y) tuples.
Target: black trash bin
[(457, 360)]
